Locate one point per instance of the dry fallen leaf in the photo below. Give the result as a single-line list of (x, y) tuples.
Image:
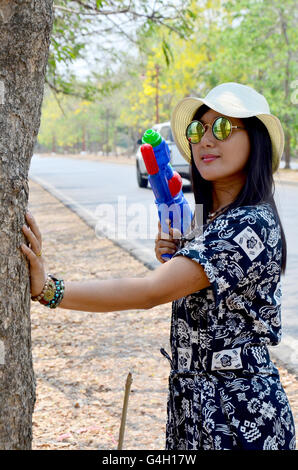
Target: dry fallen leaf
[(63, 437)]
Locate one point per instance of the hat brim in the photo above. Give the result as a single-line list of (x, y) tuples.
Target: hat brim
[(183, 114)]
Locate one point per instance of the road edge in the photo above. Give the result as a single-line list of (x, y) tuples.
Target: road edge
[(133, 247)]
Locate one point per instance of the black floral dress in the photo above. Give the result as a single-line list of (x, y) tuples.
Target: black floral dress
[(224, 391)]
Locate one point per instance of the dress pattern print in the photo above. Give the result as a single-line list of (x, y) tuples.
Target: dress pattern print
[(224, 390)]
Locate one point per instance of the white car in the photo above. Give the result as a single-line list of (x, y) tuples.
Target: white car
[(178, 163)]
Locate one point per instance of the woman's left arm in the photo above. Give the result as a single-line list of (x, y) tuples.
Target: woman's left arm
[(172, 280), (176, 278)]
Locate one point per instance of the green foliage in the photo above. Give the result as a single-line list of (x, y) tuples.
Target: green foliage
[(77, 23), (205, 43), (259, 51)]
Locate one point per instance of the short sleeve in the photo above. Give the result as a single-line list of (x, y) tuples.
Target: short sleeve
[(235, 249)]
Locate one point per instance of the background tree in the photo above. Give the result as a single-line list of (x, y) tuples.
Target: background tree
[(205, 43), (253, 42), (25, 29), (260, 47), (100, 31)]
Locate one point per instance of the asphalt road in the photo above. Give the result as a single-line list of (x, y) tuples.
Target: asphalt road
[(107, 197)]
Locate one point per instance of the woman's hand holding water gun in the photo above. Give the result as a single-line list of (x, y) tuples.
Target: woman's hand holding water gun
[(166, 243)]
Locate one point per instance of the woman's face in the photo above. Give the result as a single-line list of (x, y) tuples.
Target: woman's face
[(232, 154)]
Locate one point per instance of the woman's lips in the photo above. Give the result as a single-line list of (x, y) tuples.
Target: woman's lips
[(209, 158)]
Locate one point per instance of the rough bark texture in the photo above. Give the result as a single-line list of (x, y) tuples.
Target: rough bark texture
[(25, 28)]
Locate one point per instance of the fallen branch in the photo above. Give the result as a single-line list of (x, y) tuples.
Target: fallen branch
[(124, 410)]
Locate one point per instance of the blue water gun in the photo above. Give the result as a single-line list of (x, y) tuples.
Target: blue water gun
[(166, 184)]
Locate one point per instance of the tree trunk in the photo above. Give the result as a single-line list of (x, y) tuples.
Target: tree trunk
[(157, 94), (287, 75), (53, 143), (107, 149), (25, 28), (84, 138), (287, 151)]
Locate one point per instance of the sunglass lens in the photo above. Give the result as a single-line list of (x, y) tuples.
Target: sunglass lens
[(194, 132), (221, 128)]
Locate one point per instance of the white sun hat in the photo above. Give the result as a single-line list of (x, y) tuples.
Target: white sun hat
[(234, 100)]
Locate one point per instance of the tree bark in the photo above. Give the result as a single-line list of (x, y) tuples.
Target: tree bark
[(25, 28)]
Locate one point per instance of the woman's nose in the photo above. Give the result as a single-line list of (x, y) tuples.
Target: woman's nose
[(208, 137)]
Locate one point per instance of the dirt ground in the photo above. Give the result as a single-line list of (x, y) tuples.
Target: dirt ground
[(81, 360)]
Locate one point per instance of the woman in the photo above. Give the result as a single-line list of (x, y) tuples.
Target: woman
[(224, 391)]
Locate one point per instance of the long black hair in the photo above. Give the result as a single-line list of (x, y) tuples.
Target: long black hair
[(259, 186)]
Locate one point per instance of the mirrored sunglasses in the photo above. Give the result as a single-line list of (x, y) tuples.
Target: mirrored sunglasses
[(221, 129)]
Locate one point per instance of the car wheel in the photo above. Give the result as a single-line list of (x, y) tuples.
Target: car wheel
[(142, 182)]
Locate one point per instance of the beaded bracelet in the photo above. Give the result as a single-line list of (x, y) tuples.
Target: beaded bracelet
[(52, 293), (47, 285)]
